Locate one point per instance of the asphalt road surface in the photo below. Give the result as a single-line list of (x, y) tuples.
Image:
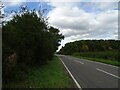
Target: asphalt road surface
[(90, 74)]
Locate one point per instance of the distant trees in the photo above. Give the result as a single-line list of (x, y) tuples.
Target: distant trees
[(29, 40), (84, 48), (90, 46)]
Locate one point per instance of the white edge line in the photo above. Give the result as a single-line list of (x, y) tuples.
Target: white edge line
[(108, 73), (71, 75)]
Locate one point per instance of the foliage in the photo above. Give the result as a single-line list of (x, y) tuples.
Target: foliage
[(51, 75), (90, 46), (99, 50), (108, 55), (29, 40)]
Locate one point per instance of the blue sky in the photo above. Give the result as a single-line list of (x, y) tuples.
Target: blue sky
[(45, 5), (77, 20), (30, 5)]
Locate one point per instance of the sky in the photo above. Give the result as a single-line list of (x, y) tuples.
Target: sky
[(76, 20)]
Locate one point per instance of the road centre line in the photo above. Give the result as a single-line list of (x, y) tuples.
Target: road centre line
[(79, 62), (101, 63), (97, 62), (108, 73)]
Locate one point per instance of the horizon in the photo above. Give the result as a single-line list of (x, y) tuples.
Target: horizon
[(76, 20)]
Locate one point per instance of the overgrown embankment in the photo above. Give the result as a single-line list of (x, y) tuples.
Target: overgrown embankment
[(51, 75)]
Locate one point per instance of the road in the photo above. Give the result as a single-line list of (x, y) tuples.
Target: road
[(90, 74)]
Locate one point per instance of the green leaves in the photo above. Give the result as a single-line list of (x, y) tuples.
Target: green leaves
[(90, 46), (30, 38)]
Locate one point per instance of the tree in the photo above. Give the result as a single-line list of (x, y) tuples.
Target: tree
[(30, 38), (90, 46), (56, 37), (84, 48)]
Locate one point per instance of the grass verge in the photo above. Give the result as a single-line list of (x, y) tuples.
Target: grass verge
[(111, 62), (51, 75)]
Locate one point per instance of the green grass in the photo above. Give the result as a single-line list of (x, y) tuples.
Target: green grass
[(104, 57), (51, 75)]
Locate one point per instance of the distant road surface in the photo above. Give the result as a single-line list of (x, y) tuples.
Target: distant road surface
[(90, 74)]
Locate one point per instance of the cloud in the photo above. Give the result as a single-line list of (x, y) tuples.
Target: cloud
[(76, 23), (104, 0), (82, 20), (99, 6)]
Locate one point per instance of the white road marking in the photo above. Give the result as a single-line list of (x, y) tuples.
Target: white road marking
[(108, 73), (101, 63), (79, 62), (97, 62), (71, 75)]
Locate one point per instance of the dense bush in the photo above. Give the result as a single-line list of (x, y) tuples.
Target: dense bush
[(28, 41)]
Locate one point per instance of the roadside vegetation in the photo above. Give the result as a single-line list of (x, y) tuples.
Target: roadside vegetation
[(105, 51), (29, 44), (50, 75), (108, 57)]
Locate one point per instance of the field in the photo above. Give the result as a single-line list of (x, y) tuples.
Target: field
[(109, 57), (51, 75)]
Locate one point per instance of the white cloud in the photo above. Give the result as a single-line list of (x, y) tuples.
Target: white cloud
[(104, 0), (75, 23), (100, 6), (82, 22)]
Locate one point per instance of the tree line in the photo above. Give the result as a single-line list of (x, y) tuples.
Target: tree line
[(90, 46), (27, 41)]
